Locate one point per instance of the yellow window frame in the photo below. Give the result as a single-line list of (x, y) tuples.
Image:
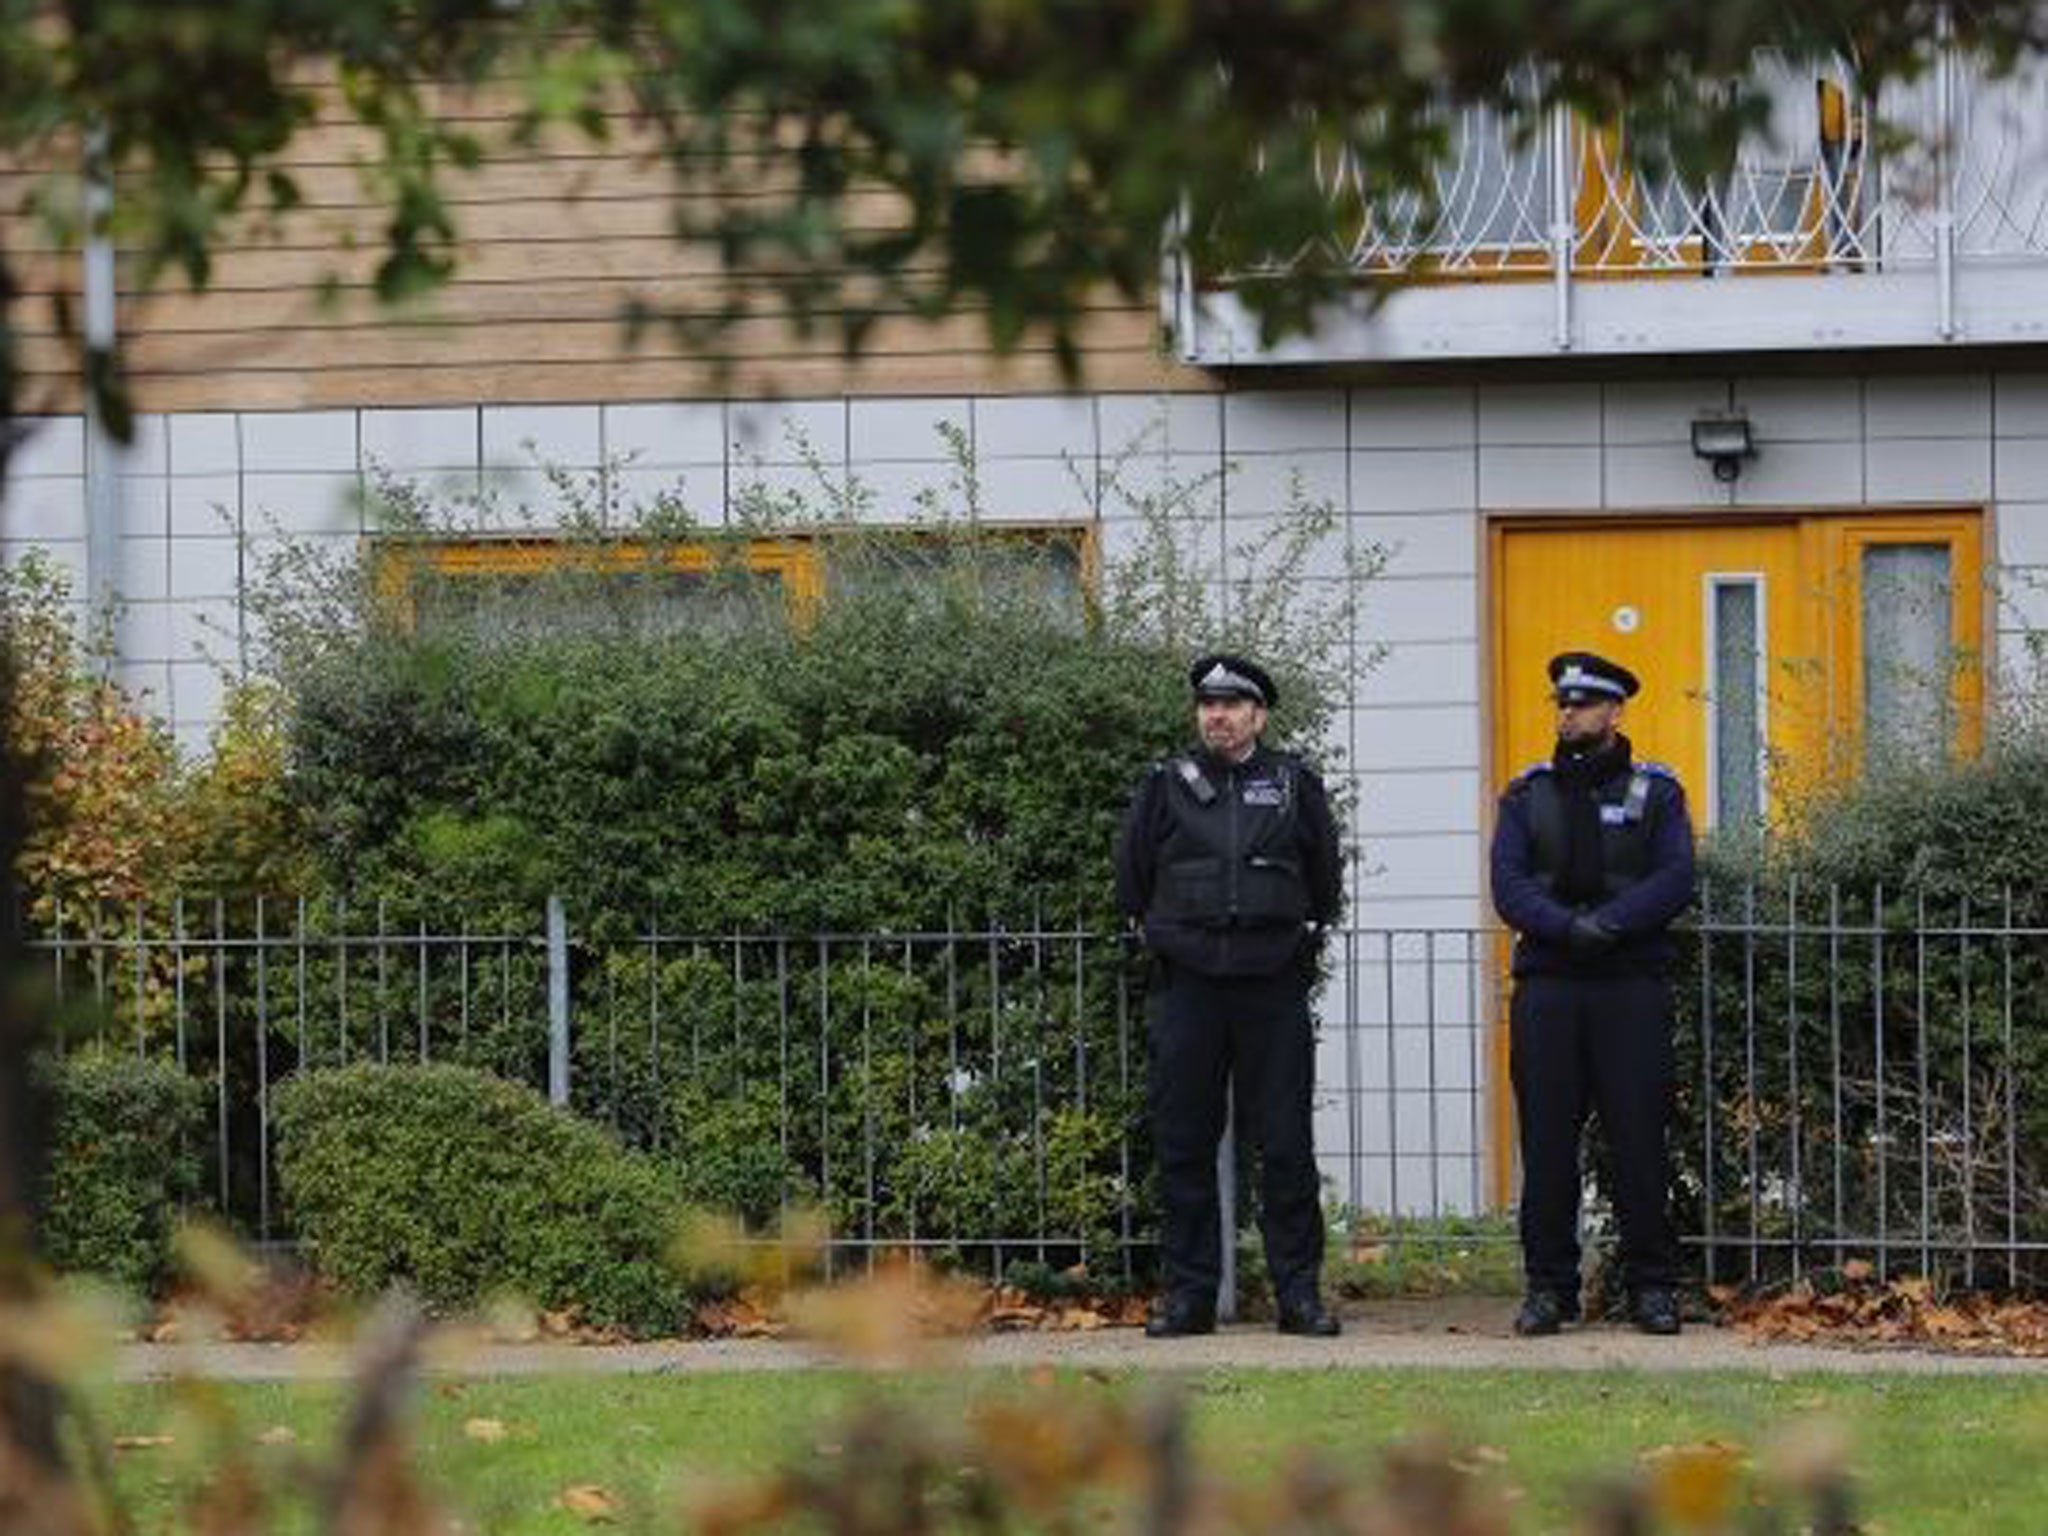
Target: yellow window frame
[(800, 561), (401, 562)]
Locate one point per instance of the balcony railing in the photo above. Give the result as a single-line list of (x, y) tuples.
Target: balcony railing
[(1912, 215)]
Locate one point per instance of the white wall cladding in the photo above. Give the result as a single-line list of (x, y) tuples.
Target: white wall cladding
[(1413, 469), (1416, 470)]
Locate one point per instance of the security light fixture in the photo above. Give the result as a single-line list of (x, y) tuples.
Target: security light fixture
[(1724, 441)]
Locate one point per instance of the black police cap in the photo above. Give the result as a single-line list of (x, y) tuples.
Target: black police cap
[(1224, 676), (1580, 677)]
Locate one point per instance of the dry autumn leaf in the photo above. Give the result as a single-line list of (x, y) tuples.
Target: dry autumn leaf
[(590, 1502), (1903, 1312), (484, 1431), (142, 1442)]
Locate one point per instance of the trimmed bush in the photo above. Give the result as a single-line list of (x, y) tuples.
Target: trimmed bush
[(891, 767), (124, 1162), (464, 1186), (957, 719)]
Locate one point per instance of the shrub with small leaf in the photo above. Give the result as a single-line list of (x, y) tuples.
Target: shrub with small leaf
[(465, 1186), (124, 1164)]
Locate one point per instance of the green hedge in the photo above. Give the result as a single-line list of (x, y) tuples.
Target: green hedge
[(124, 1163), (1842, 1060), (946, 741), (916, 752), (466, 1186), (889, 767), (906, 762)]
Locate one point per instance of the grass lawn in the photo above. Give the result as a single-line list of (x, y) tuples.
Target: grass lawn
[(1932, 1455)]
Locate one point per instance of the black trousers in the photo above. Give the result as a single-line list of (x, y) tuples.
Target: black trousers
[(1594, 1044), (1207, 1033)]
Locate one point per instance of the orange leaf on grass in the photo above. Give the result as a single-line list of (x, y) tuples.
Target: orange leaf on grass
[(590, 1502)]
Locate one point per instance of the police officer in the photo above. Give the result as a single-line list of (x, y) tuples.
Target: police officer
[(1228, 863), (1592, 860)]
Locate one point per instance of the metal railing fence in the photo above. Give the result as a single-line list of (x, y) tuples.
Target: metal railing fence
[(1865, 1074), (1857, 1073)]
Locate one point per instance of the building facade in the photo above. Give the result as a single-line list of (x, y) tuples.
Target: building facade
[(1527, 428)]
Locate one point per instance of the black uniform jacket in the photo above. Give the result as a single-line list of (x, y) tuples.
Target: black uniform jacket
[(1266, 858), (1640, 910)]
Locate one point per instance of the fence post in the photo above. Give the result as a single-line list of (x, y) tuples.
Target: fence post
[(558, 1003)]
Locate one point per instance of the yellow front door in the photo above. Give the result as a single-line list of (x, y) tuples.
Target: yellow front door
[(1776, 655), (1668, 602)]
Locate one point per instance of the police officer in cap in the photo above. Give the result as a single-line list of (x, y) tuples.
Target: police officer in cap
[(1228, 863), (1592, 860)]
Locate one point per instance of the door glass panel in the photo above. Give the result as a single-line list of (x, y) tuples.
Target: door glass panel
[(1907, 650), (1737, 713)]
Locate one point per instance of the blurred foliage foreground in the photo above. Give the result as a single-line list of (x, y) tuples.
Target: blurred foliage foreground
[(1027, 1458)]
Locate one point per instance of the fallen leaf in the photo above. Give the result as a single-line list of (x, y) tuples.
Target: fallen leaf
[(141, 1442), (278, 1434), (590, 1502), (1946, 1323), (485, 1431)]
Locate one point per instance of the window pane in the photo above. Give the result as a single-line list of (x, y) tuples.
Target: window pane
[(1041, 573), (1907, 651), (1738, 728), (505, 605)]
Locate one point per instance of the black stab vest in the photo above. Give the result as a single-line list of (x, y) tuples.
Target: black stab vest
[(1231, 856), (1625, 851)]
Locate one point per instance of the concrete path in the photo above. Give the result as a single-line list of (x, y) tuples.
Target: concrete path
[(1463, 1333)]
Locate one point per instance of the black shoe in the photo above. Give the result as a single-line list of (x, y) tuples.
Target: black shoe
[(1180, 1316), (1655, 1310), (1306, 1315), (1544, 1312)]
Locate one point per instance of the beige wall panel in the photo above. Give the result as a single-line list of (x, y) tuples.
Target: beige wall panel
[(654, 212), (556, 241), (567, 259), (627, 378), (468, 305), (558, 341), (517, 174)]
